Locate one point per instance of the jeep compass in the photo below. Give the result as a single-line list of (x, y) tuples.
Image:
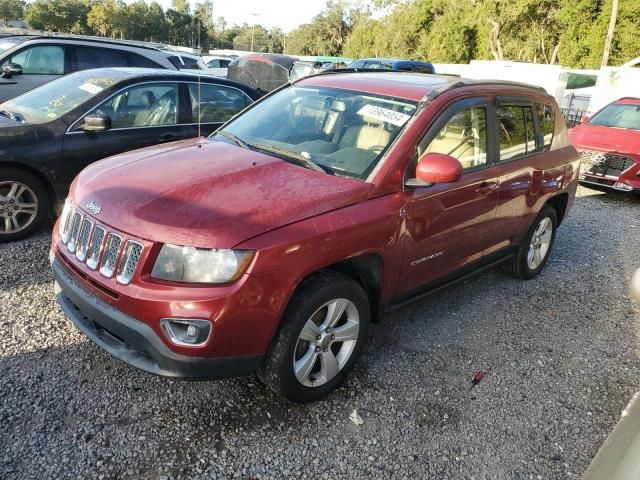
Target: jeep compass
[(271, 246)]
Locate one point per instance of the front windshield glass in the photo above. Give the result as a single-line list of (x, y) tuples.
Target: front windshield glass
[(7, 43), (340, 131), (58, 97), (620, 116)]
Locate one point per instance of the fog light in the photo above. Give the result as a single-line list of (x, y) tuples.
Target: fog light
[(186, 331), (622, 186)]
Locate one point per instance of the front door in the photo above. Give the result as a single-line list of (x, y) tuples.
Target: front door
[(450, 225), (40, 64), (141, 116)]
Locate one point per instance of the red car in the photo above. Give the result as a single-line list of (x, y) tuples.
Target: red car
[(609, 146), (271, 246)]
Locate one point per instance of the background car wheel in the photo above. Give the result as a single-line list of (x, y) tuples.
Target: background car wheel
[(535, 248), (320, 338), (24, 204)]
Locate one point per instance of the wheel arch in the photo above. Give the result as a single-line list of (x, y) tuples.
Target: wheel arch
[(559, 203), (43, 178)]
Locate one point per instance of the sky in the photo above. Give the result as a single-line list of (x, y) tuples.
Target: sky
[(286, 14)]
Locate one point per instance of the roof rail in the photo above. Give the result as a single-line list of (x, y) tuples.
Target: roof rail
[(88, 38)]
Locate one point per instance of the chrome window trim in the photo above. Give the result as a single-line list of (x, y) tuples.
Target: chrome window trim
[(123, 263), (104, 271), (71, 128), (90, 264)]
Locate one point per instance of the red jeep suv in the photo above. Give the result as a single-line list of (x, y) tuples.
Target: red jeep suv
[(609, 146), (271, 246)]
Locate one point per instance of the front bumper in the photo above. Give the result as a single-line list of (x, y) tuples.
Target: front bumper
[(135, 342)]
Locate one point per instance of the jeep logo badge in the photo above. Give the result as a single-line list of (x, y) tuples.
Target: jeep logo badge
[(94, 208)]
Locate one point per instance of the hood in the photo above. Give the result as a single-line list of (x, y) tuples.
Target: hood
[(620, 140), (207, 194)]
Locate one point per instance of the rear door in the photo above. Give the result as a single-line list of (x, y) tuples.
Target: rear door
[(451, 225), (40, 64), (521, 151), (141, 115), (211, 105)]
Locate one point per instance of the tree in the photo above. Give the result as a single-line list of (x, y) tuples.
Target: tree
[(180, 6), (68, 16), (11, 10)]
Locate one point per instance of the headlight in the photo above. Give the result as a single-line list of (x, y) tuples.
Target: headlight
[(200, 265)]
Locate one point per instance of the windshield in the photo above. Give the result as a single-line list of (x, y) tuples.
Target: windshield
[(7, 43), (617, 115), (58, 97), (341, 131)]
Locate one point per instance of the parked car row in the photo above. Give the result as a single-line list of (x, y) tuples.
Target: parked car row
[(271, 241)]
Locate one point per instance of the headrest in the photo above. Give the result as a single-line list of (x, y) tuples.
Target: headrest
[(147, 99)]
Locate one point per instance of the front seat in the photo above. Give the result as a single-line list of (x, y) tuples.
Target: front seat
[(165, 110), (147, 102), (368, 136)]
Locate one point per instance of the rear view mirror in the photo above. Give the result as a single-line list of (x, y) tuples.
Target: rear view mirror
[(96, 122), (436, 168), (10, 69)]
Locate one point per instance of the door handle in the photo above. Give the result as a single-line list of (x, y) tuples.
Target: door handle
[(486, 188), (169, 137)]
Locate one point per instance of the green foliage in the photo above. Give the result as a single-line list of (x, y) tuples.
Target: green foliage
[(69, 16), (11, 10)]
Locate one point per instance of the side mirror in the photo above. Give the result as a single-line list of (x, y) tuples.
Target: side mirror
[(436, 168), (10, 69), (584, 119), (96, 122)]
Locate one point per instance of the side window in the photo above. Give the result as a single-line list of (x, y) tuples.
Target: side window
[(41, 60), (148, 105), (88, 57), (214, 63), (224, 63), (546, 116), (516, 130), (135, 60), (464, 137), (190, 63), (215, 103)]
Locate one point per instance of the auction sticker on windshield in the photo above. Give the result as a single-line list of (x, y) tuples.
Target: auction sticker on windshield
[(91, 88), (395, 118)]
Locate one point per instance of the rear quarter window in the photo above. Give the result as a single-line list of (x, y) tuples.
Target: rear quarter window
[(546, 116)]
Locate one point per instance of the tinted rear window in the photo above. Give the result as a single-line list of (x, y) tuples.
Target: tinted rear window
[(89, 57)]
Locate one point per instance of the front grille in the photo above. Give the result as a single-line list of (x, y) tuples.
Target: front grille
[(83, 239), (73, 232), (129, 262), (110, 256), (604, 164), (95, 246)]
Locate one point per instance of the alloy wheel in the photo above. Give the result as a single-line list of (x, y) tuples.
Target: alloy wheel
[(18, 207), (326, 342), (540, 243)]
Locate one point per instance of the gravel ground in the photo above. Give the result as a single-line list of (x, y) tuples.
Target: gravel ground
[(563, 350)]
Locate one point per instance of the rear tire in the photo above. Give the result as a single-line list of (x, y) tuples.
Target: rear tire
[(536, 246), (320, 338), (24, 204)]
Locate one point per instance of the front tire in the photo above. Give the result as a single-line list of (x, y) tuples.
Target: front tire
[(24, 204), (321, 336), (535, 249)]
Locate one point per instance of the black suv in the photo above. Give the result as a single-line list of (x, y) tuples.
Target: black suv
[(27, 61)]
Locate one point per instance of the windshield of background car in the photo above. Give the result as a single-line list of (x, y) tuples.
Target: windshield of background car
[(7, 43), (619, 116), (58, 97), (345, 132)]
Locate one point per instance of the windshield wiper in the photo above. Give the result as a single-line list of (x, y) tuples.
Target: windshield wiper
[(231, 136), (299, 158)]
